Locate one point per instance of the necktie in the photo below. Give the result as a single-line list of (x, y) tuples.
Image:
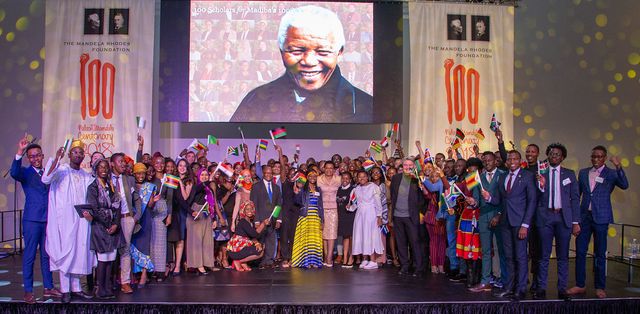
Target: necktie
[(270, 192), (117, 184), (40, 172), (593, 174), (552, 187), (490, 176), (509, 182)]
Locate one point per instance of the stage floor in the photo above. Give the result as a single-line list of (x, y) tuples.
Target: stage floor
[(318, 286)]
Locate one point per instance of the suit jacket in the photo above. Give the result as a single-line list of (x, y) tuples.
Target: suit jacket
[(569, 196), (416, 198), (492, 188), (519, 205), (36, 193), (260, 199), (600, 197), (132, 197)]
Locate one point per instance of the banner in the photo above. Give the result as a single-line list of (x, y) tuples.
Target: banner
[(98, 74), (461, 74)]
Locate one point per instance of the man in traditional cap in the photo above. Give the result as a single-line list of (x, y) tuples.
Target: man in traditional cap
[(68, 234)]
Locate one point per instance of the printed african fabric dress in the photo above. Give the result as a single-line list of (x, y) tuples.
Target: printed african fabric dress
[(307, 243), (468, 237), (141, 240)]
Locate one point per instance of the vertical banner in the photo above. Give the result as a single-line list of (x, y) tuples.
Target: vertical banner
[(98, 74), (461, 74)]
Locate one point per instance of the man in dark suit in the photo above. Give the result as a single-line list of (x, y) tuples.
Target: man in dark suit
[(558, 216), (517, 196), (531, 155), (596, 185), (266, 195), (491, 177), (34, 218), (406, 202), (130, 214)]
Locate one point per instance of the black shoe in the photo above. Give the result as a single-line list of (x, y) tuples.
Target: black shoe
[(533, 288), (418, 274), (516, 297), (82, 295), (540, 295), (458, 278), (502, 293), (403, 272), (202, 273), (452, 273), (66, 298), (564, 296)]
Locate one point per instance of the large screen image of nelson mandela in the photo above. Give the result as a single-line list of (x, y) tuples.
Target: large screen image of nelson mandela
[(296, 63)]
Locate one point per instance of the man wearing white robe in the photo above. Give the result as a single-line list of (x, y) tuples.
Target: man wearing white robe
[(68, 235)]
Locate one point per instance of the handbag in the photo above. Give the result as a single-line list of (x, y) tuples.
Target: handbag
[(221, 233)]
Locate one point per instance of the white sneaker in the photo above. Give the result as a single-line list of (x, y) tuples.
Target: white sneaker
[(371, 265), (364, 264)]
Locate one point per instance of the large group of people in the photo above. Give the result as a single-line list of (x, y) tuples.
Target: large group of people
[(480, 220)]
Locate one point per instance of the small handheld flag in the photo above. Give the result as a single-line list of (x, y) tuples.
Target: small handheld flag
[(170, 181), (460, 134), (300, 177), (232, 150), (390, 134), (67, 144), (353, 200), (273, 139), (279, 132), (375, 147), (368, 165), (396, 127), (212, 140), (226, 169), (472, 180), (141, 122), (456, 144), (384, 229), (480, 134), (197, 145), (262, 144), (384, 142), (276, 211), (204, 210), (495, 124), (241, 134), (543, 167)]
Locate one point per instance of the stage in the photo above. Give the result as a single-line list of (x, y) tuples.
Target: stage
[(334, 290)]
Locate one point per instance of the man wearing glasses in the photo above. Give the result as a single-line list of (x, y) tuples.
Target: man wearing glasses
[(312, 89), (34, 218), (596, 185)]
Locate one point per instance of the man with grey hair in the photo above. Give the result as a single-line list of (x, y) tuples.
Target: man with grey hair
[(312, 89)]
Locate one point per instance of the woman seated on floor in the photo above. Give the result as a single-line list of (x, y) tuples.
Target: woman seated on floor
[(244, 247)]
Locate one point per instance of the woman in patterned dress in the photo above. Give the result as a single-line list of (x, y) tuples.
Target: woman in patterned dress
[(307, 243), (141, 240), (244, 246)]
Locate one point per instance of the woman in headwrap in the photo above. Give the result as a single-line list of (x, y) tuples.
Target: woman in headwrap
[(141, 239), (199, 224), (244, 246), (244, 185)]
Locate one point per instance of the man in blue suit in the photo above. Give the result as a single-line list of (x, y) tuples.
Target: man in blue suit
[(34, 218), (517, 195), (558, 216), (596, 185)]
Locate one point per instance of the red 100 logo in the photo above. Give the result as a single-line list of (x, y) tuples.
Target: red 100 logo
[(101, 84), (465, 96)]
